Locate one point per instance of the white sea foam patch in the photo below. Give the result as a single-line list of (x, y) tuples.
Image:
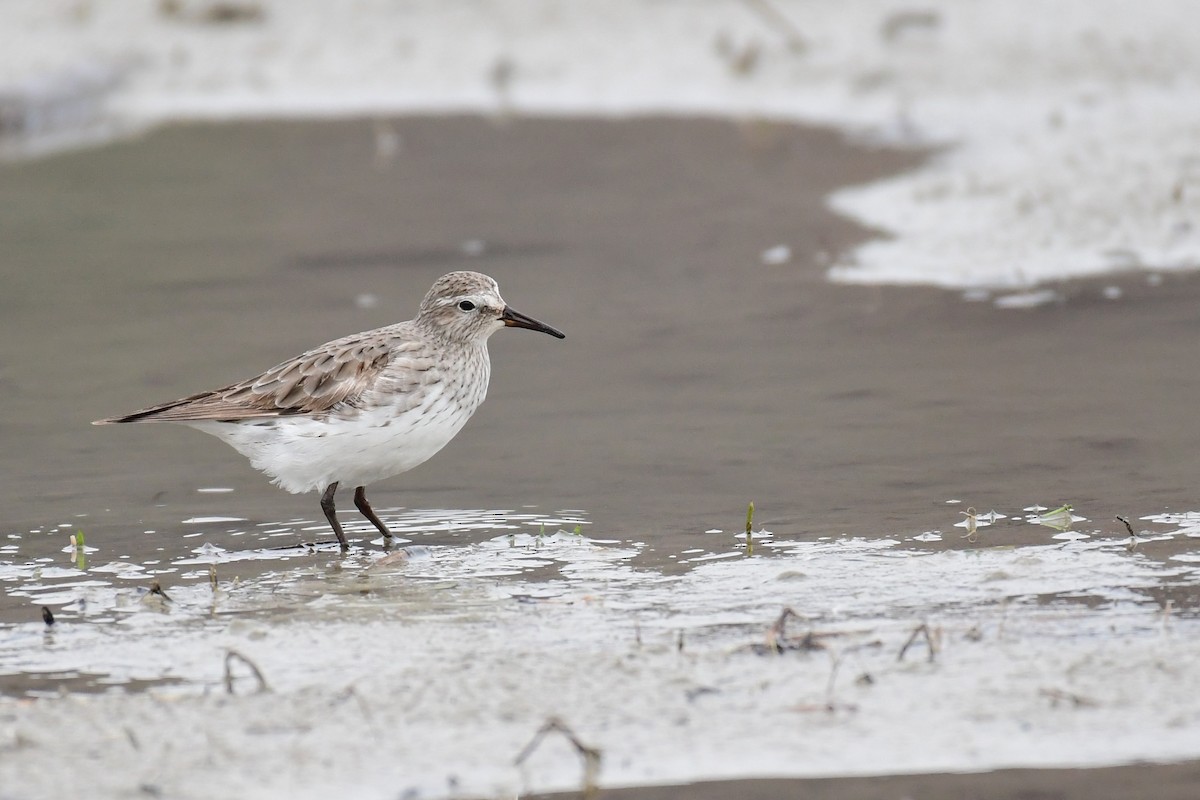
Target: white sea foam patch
[(1069, 127), (1035, 656), (1073, 181)]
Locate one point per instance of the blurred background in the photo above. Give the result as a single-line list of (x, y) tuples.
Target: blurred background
[(1069, 131)]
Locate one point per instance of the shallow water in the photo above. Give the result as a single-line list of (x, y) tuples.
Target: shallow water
[(586, 522)]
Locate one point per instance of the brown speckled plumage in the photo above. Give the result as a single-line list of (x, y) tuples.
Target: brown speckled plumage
[(328, 415)]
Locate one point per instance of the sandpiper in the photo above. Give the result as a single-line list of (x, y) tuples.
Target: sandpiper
[(363, 407)]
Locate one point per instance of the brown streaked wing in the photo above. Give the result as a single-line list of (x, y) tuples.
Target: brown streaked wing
[(312, 383)]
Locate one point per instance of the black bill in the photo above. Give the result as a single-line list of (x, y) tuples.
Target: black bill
[(515, 319)]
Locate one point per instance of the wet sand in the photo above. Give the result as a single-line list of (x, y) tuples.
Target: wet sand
[(694, 378), (1163, 782)]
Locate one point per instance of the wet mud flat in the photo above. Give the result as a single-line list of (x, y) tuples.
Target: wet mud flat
[(575, 550), (698, 375), (1175, 782)]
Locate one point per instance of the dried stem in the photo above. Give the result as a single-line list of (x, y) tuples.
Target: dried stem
[(230, 655), (591, 756), (930, 641)]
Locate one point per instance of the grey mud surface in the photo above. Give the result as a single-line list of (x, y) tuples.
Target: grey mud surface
[(694, 377), (1175, 782)]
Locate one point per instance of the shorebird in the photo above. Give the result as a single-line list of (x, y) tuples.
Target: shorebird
[(364, 407)]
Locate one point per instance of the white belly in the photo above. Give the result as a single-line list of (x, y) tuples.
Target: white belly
[(303, 454)]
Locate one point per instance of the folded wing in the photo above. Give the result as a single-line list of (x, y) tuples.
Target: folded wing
[(313, 383)]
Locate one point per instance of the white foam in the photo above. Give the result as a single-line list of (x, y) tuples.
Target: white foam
[(663, 674)]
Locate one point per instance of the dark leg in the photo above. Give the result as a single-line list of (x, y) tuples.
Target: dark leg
[(360, 500), (331, 514)]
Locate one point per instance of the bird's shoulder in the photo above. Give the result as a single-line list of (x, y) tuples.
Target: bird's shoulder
[(337, 372)]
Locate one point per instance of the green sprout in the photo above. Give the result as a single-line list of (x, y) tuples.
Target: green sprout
[(749, 529), (81, 562)]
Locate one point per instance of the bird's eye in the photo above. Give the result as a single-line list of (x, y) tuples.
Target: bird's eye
[(467, 305)]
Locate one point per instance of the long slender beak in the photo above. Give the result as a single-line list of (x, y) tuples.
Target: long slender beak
[(515, 319)]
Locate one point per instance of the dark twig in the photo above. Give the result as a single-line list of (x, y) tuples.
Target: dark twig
[(930, 641), (591, 756), (230, 655), (778, 641), (778, 630), (1133, 540)]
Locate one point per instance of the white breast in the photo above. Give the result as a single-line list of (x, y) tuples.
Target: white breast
[(383, 437)]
